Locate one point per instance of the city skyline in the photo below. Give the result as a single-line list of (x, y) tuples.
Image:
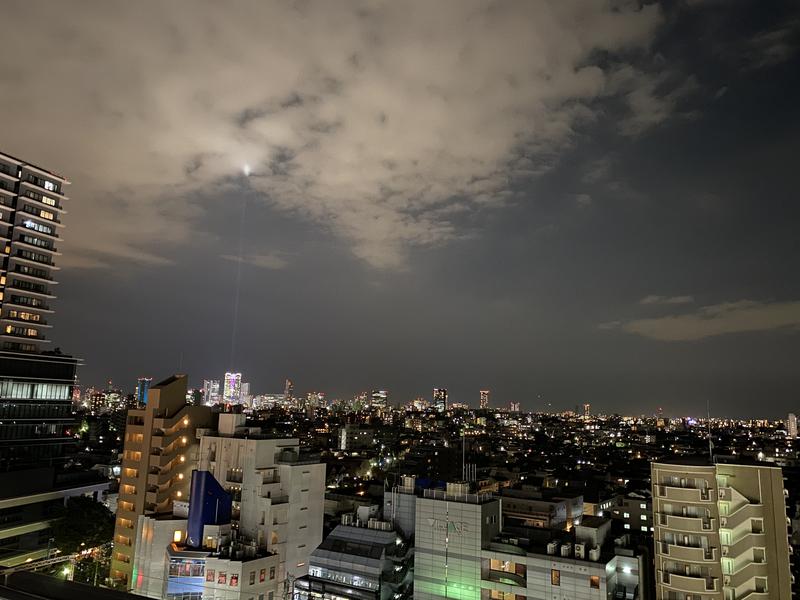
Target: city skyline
[(599, 210)]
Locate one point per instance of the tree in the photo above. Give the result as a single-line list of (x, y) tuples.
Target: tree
[(81, 524)]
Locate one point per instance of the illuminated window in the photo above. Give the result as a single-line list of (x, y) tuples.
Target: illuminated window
[(594, 582), (555, 577), (626, 515), (643, 517), (48, 201), (177, 535), (46, 214), (210, 575)]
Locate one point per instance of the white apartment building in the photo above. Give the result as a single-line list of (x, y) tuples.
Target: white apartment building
[(278, 494)]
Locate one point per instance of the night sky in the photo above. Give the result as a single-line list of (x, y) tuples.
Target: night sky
[(564, 202)]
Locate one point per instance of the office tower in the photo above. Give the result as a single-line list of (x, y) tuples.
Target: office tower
[(380, 399), (210, 391), (278, 492), (142, 387), (440, 399), (232, 388), (288, 392), (513, 406), (720, 530), (484, 399), (31, 205), (791, 426), (246, 397), (587, 410), (160, 450)]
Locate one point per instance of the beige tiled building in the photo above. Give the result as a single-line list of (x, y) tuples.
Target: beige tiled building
[(720, 531), (160, 451)]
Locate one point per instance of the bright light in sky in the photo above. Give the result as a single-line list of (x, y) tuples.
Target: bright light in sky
[(246, 170)]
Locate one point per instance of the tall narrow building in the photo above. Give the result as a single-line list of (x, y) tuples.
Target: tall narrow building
[(720, 531), (160, 451), (31, 205)]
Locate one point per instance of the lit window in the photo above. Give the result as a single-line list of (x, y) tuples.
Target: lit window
[(626, 515), (643, 505), (627, 525), (644, 527), (177, 535), (643, 517), (555, 577), (594, 582)]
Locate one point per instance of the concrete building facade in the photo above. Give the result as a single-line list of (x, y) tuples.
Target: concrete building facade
[(160, 451), (720, 531)]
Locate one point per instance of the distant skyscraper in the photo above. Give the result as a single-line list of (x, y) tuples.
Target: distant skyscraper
[(513, 406), (484, 399), (587, 410), (31, 201), (232, 390), (142, 387), (288, 391), (380, 398), (440, 399), (210, 391), (791, 425)]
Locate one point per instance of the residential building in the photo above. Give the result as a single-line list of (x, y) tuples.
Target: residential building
[(31, 207), (210, 391), (278, 492), (791, 426), (720, 531), (634, 510), (355, 437), (160, 451), (484, 402)]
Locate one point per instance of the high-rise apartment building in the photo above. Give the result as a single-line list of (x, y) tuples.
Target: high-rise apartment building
[(278, 493), (232, 388), (791, 425), (440, 399), (31, 205), (484, 399), (36, 387), (160, 451), (720, 531)]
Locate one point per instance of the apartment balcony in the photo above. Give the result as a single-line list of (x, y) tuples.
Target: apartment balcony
[(690, 584), (741, 515), (745, 574), (505, 577), (37, 307), (44, 192), (27, 322), (744, 544), (20, 257), (40, 293), (681, 523), (11, 335), (688, 553), (51, 249), (684, 494)]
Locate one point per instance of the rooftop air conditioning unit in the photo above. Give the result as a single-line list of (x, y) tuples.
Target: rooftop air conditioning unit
[(580, 550), (566, 550), (594, 554), (552, 547)]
